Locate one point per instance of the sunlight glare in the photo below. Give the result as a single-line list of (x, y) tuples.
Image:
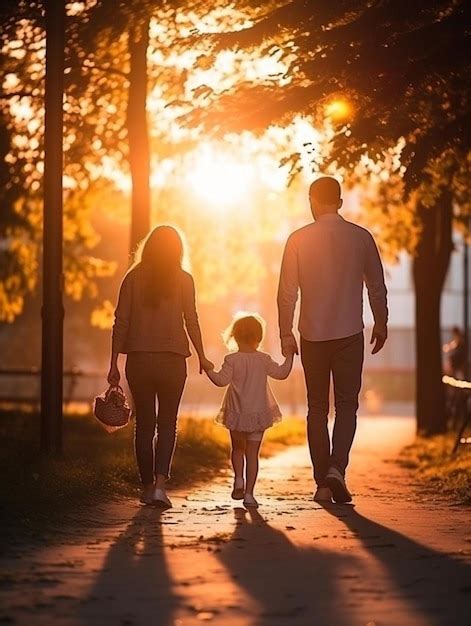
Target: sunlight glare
[(339, 109), (219, 178)]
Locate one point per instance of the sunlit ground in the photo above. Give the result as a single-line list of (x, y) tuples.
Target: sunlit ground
[(208, 559)]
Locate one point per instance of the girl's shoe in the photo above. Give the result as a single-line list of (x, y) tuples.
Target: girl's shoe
[(238, 491), (249, 501), (161, 500)]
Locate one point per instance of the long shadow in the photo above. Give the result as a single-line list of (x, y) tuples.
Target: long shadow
[(435, 584), (287, 584), (133, 586)]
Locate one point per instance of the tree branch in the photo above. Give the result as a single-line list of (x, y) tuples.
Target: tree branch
[(105, 70), (16, 94)]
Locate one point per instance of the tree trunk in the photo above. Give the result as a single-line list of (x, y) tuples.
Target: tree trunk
[(52, 311), (138, 136), (430, 267)]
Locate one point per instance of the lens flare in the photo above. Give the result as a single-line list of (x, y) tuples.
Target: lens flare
[(339, 109)]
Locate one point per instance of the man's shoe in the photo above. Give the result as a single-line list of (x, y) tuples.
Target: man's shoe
[(323, 494), (336, 482)]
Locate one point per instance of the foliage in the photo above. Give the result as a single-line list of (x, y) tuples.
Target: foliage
[(22, 69), (443, 474), (401, 73), (291, 431), (96, 134), (402, 68)]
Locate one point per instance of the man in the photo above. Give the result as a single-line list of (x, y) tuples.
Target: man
[(328, 261), (457, 353)]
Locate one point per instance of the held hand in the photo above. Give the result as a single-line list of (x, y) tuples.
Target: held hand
[(378, 338), (114, 376), (289, 347), (206, 365)]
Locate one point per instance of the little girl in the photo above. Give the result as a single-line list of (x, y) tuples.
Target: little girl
[(249, 406)]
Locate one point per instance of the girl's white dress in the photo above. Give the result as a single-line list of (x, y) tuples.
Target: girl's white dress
[(249, 404)]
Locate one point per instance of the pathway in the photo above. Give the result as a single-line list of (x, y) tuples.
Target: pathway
[(397, 557)]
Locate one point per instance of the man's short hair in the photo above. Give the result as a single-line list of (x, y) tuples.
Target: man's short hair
[(325, 190)]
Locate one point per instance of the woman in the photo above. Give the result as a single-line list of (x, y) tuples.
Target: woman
[(156, 299)]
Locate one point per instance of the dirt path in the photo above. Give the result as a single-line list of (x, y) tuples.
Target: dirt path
[(396, 558)]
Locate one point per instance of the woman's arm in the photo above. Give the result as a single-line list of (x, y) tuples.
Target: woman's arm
[(192, 324), (224, 376), (120, 329), (280, 371)]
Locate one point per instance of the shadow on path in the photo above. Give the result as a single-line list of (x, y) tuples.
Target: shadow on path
[(133, 585), (435, 584), (290, 585)]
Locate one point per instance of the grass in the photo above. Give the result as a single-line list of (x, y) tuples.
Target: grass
[(96, 464), (290, 432), (431, 460)]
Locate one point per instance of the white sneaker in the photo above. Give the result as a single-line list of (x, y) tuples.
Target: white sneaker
[(336, 482), (249, 501), (161, 500), (323, 494)]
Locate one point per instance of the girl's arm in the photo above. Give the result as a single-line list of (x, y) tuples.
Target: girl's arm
[(280, 371), (192, 323), (120, 329), (224, 376)]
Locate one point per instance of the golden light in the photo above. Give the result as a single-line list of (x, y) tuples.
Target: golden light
[(230, 175), (219, 178), (339, 109)]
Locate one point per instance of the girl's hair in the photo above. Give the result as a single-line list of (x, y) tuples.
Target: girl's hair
[(158, 259), (245, 328)]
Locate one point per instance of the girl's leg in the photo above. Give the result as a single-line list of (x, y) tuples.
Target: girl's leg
[(238, 456), (252, 451)]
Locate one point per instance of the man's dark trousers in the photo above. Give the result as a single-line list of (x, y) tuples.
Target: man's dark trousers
[(344, 358)]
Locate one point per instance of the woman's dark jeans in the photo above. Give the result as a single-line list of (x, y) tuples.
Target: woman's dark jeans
[(152, 374)]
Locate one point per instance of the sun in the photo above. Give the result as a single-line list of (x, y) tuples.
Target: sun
[(339, 109), (219, 178)]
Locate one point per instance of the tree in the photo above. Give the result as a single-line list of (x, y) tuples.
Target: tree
[(104, 118), (138, 133), (115, 41), (21, 168), (403, 72), (52, 311)]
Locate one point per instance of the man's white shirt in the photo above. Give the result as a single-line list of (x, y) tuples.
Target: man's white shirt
[(329, 261)]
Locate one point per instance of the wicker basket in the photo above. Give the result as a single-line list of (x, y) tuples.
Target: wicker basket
[(112, 409)]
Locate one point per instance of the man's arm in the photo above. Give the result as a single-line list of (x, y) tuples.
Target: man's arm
[(377, 294), (287, 297)]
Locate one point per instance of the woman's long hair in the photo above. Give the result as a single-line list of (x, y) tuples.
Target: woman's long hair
[(159, 259)]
